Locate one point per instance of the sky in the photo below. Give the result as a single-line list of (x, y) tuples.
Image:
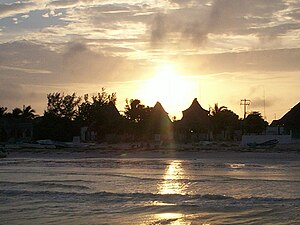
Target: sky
[(172, 51)]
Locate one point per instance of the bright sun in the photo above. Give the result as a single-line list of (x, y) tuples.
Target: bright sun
[(174, 91)]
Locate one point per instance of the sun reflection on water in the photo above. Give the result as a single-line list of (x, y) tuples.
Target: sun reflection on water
[(173, 180)]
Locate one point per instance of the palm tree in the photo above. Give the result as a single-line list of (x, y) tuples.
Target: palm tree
[(28, 112), (16, 113), (2, 111), (223, 120), (216, 109)]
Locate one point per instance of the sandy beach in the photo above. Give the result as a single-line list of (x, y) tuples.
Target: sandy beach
[(137, 150)]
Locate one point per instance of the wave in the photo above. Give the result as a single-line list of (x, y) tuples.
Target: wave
[(111, 196), (58, 184)]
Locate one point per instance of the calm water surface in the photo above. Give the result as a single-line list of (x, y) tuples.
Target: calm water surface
[(203, 189)]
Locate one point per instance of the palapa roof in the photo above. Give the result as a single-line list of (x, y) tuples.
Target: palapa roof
[(195, 111), (195, 117), (290, 119), (159, 120)]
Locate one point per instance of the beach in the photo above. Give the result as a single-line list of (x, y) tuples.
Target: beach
[(131, 184), (153, 150)]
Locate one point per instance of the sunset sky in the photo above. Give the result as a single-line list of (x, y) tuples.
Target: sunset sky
[(219, 51)]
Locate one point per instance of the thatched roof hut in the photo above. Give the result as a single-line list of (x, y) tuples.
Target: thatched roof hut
[(159, 122), (195, 118), (290, 121)]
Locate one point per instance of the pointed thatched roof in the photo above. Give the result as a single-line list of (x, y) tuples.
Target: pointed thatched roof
[(291, 119), (159, 109), (195, 117), (112, 110), (195, 110), (159, 120)]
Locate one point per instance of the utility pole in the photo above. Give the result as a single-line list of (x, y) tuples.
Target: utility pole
[(245, 103)]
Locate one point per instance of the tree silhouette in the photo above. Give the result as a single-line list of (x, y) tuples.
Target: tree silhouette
[(216, 109), (28, 112), (94, 111), (62, 105), (2, 111), (254, 123), (224, 120), (85, 110), (134, 110), (138, 116), (16, 113)]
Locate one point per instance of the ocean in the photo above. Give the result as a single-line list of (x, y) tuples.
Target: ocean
[(217, 188)]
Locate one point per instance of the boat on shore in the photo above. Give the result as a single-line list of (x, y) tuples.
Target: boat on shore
[(264, 145)]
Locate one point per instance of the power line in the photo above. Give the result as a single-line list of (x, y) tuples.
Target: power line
[(245, 103)]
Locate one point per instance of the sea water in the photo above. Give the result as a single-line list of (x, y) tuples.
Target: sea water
[(199, 189)]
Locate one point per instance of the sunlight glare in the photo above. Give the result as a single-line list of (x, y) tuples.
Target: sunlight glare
[(172, 182), (172, 90)]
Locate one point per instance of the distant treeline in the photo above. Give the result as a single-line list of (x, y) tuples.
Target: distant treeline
[(67, 113)]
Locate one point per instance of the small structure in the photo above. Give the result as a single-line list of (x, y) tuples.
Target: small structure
[(290, 121), (16, 129), (160, 125), (194, 125), (105, 126)]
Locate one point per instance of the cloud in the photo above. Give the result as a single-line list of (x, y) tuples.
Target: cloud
[(63, 3), (25, 70), (14, 94), (81, 64), (158, 28), (259, 102), (28, 62), (15, 8), (29, 71), (259, 61), (10, 91), (195, 21)]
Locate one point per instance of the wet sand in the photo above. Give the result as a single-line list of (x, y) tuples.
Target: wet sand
[(137, 150)]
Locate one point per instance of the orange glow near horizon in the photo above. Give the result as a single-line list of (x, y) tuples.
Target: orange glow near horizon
[(170, 88)]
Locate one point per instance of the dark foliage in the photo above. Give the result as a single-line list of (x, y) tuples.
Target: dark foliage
[(137, 116), (2, 111), (224, 120), (254, 123), (57, 128), (63, 106)]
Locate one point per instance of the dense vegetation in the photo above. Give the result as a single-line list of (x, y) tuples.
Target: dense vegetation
[(67, 113)]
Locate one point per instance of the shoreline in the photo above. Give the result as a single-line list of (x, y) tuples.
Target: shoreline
[(135, 151)]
